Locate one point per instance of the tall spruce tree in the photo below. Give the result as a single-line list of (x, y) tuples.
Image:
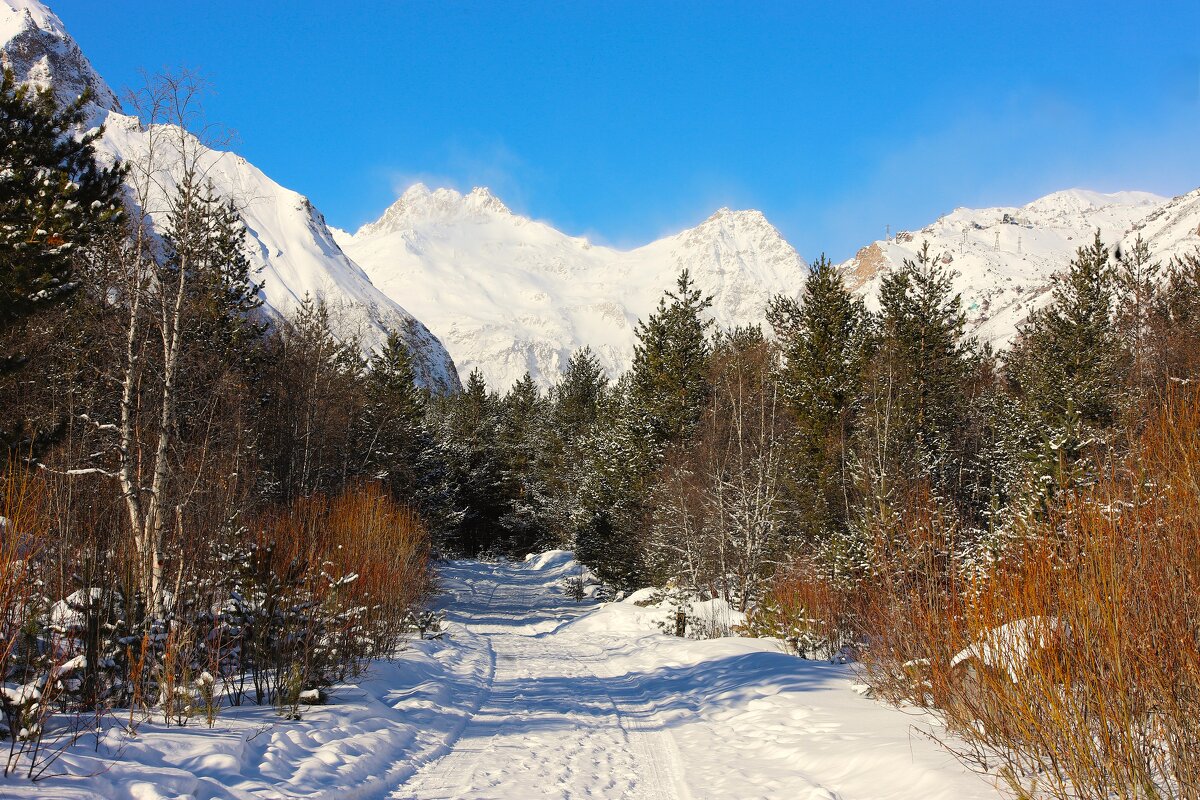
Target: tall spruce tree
[(1069, 365), (54, 196), (575, 406), (1138, 283), (523, 442), (670, 382), (1175, 321), (56, 203), (475, 467), (922, 368), (223, 294), (616, 465), (396, 443), (578, 393), (660, 403), (825, 341)]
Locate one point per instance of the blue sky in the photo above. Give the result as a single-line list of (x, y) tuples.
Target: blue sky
[(625, 121)]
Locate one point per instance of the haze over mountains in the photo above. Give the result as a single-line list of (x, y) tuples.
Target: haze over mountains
[(493, 290)]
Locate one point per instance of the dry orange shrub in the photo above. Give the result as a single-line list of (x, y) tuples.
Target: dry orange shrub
[(1100, 694), (1071, 666), (812, 612), (362, 546), (25, 525)]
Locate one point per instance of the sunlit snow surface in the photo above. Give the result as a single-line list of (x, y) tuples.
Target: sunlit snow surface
[(1004, 257), (532, 694)]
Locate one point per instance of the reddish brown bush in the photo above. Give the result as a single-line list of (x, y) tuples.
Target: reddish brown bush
[(1072, 665)]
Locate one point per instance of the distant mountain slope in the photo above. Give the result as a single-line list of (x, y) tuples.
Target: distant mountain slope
[(1006, 256), (288, 240), (1172, 228), (509, 294)]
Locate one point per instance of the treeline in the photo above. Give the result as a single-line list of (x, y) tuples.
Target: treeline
[(1008, 537), (723, 454), (197, 508)]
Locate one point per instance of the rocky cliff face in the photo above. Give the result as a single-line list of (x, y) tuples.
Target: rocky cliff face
[(38, 50)]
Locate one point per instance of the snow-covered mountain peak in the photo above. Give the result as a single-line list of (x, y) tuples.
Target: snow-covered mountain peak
[(420, 204), (36, 47), (482, 200), (730, 240), (725, 217), (1078, 202), (289, 245), (511, 295), (1004, 257)]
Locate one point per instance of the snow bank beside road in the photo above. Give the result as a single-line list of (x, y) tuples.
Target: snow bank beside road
[(369, 739)]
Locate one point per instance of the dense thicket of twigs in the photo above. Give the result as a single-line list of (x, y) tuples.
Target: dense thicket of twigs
[(197, 509)]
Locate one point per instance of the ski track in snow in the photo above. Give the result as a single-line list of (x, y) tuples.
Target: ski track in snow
[(549, 723), (531, 694)]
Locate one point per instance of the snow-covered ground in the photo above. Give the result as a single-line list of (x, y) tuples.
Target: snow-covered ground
[(533, 694)]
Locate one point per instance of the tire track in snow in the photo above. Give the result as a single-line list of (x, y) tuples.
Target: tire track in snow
[(656, 748), (549, 726)]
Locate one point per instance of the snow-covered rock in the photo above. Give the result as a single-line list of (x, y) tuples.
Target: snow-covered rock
[(1005, 256), (37, 48), (290, 246), (508, 294), (1171, 229)]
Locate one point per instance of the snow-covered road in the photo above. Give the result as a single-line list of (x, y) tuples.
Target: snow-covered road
[(531, 694), (588, 701), (554, 722)]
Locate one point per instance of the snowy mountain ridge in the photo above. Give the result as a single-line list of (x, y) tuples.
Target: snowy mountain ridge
[(37, 48), (1005, 256), (508, 294), (290, 246), (511, 295)]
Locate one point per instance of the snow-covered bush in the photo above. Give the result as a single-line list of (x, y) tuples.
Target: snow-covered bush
[(811, 613)]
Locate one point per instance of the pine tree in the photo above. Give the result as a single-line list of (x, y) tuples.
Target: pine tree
[(578, 393), (224, 295), (614, 472), (1175, 321), (670, 371), (574, 407), (1068, 365), (315, 383), (524, 439), (659, 403), (56, 202), (920, 377), (474, 466), (1138, 279), (825, 342), (396, 444), (54, 197)]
